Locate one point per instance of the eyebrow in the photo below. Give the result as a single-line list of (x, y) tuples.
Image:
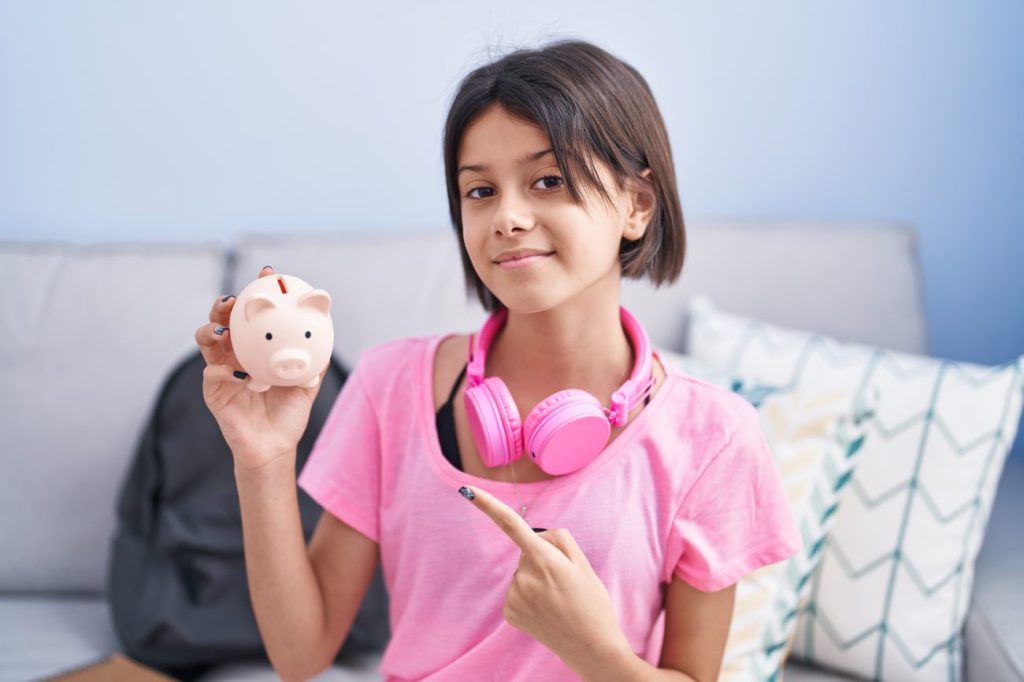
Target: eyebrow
[(526, 159)]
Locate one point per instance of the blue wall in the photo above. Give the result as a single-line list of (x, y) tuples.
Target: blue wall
[(185, 120)]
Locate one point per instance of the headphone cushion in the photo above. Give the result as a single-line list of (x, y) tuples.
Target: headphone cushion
[(496, 420)]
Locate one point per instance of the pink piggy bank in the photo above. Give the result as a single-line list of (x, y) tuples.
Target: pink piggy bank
[(281, 332)]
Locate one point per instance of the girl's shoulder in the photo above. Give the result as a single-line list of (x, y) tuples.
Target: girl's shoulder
[(395, 360), (703, 409)]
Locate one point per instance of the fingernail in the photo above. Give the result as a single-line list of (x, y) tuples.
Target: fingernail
[(226, 298), (538, 530), (264, 268), (240, 375), (219, 331), (467, 493)]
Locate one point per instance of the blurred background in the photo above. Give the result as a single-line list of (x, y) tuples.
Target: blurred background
[(190, 120)]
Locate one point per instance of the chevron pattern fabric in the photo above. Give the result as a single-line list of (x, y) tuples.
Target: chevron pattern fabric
[(889, 600), (815, 437)]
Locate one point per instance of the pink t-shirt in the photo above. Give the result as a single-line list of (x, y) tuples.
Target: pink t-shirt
[(688, 488)]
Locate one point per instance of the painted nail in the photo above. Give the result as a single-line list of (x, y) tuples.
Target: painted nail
[(538, 530), (264, 268), (240, 375), (467, 493), (226, 299), (219, 331)]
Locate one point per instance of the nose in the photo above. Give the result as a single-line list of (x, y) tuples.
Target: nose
[(289, 363), (513, 213)]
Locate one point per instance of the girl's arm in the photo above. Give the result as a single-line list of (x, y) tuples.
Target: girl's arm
[(304, 603), (696, 629)]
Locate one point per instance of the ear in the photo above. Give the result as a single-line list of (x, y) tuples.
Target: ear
[(640, 208), (317, 299), (257, 304)]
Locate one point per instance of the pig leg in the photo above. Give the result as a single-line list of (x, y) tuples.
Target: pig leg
[(257, 386), (312, 382)]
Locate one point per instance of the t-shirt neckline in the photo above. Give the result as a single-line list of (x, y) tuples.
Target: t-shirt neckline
[(457, 477)]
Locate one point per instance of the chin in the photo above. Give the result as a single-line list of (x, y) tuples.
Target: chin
[(524, 302)]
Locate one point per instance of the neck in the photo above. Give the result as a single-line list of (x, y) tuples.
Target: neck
[(580, 346)]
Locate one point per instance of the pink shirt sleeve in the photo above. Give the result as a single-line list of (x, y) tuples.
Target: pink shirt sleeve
[(735, 517), (342, 472)]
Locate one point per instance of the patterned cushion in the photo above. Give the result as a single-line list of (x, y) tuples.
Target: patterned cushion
[(815, 437), (892, 591)]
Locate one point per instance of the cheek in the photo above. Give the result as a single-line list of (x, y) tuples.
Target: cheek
[(477, 250), (471, 242)]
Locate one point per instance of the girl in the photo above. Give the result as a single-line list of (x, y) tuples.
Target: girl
[(659, 490)]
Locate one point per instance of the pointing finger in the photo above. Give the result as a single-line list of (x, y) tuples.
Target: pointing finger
[(508, 521)]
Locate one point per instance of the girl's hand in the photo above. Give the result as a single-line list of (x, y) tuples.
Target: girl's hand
[(555, 596), (259, 427)]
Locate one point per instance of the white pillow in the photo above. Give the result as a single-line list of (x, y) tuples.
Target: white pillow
[(815, 437), (892, 592)]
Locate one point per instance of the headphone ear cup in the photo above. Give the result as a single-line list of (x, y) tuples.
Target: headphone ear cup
[(566, 431), (494, 422)]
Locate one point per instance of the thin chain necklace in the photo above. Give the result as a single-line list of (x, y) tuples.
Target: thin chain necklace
[(515, 485)]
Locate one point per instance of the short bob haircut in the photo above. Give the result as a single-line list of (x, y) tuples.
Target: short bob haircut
[(591, 105)]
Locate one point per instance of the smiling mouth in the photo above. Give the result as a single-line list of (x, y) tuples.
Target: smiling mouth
[(523, 262)]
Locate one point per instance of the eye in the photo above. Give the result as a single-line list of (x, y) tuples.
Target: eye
[(269, 336), (551, 177), (557, 178), (469, 194), (308, 334)]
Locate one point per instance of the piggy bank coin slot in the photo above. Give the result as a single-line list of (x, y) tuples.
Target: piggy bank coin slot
[(280, 283)]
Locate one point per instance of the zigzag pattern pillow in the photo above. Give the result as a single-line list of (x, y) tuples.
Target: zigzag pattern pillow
[(815, 438), (892, 592)]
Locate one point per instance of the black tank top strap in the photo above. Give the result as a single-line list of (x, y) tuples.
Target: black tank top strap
[(455, 387), (445, 420)]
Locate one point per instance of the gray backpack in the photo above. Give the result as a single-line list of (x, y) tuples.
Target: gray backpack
[(177, 586)]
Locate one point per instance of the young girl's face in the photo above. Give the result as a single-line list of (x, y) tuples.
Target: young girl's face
[(513, 197)]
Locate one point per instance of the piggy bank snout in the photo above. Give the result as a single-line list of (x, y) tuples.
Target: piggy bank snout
[(289, 363)]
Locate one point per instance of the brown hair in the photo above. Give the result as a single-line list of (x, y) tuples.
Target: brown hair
[(590, 104)]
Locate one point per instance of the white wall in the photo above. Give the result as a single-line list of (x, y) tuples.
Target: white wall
[(197, 119)]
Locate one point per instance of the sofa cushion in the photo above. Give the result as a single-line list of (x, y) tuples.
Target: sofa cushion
[(45, 635), (894, 586), (89, 333), (42, 636)]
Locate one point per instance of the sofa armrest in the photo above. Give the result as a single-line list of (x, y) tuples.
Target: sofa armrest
[(994, 634)]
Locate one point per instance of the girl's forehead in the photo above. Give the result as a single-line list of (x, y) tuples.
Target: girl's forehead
[(500, 137)]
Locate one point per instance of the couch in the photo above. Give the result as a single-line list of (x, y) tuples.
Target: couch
[(90, 331)]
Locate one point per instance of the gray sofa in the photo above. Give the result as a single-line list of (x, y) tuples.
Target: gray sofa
[(89, 332)]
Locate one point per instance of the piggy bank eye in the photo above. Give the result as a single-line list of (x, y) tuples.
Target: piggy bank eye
[(269, 336), (308, 334)]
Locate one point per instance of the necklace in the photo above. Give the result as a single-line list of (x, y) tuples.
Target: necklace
[(515, 485)]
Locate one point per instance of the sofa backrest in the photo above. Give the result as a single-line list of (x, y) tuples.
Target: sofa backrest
[(90, 332), (857, 281)]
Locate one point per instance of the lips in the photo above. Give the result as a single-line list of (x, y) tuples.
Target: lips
[(525, 261), (526, 255), (519, 253)]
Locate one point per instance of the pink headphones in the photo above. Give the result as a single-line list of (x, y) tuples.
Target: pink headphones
[(565, 431)]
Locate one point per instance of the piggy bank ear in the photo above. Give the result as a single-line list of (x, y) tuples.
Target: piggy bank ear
[(257, 304), (317, 299)]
